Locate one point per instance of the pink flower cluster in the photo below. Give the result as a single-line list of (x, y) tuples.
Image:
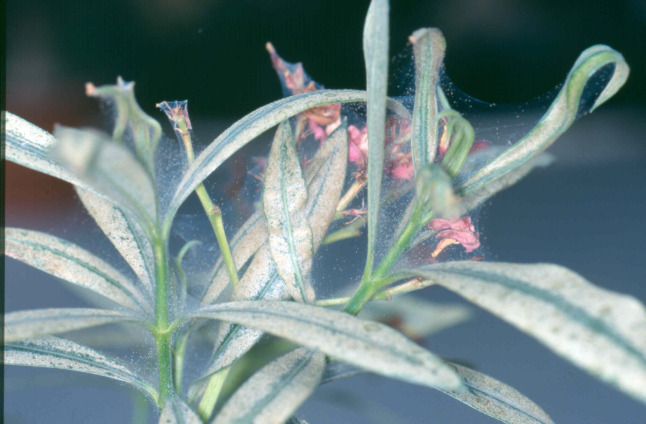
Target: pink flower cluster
[(455, 231)]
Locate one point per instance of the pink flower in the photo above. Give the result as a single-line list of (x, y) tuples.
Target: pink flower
[(401, 167), (319, 132), (455, 231), (358, 146), (296, 81)]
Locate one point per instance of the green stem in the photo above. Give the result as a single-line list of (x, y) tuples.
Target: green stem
[(371, 285), (162, 333), (212, 393)]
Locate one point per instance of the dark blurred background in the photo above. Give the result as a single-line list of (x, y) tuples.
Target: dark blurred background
[(585, 212)]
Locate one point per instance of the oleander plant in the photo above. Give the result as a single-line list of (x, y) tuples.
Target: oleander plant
[(406, 174)]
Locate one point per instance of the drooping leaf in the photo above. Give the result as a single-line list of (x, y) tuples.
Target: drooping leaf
[(274, 393), (324, 177), (429, 46), (560, 115), (126, 236), (73, 264), (367, 344), (40, 322), (110, 169), (497, 399), (251, 126), (284, 199), (54, 352), (176, 411), (375, 51), (601, 331)]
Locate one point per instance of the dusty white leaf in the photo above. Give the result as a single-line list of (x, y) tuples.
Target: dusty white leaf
[(29, 146), (73, 264), (176, 411), (110, 169), (325, 177), (41, 322), (601, 331), (126, 236), (429, 46), (373, 346), (273, 393), (54, 352), (559, 117), (497, 399), (251, 126), (244, 244), (416, 317), (284, 198), (375, 51)]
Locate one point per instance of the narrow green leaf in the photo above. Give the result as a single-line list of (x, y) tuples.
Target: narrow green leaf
[(73, 264), (460, 134), (559, 116), (601, 331), (375, 51), (54, 352), (126, 236), (284, 199), (176, 411), (428, 46), (373, 346), (41, 322), (251, 126), (324, 176), (497, 399), (109, 168), (274, 393)]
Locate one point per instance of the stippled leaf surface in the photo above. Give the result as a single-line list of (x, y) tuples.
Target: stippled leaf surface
[(176, 411), (40, 322), (375, 52), (110, 169), (370, 345), (54, 352), (126, 236), (284, 199), (29, 146), (251, 126), (273, 393), (601, 331), (497, 399), (324, 178), (65, 260), (429, 46), (559, 116)]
